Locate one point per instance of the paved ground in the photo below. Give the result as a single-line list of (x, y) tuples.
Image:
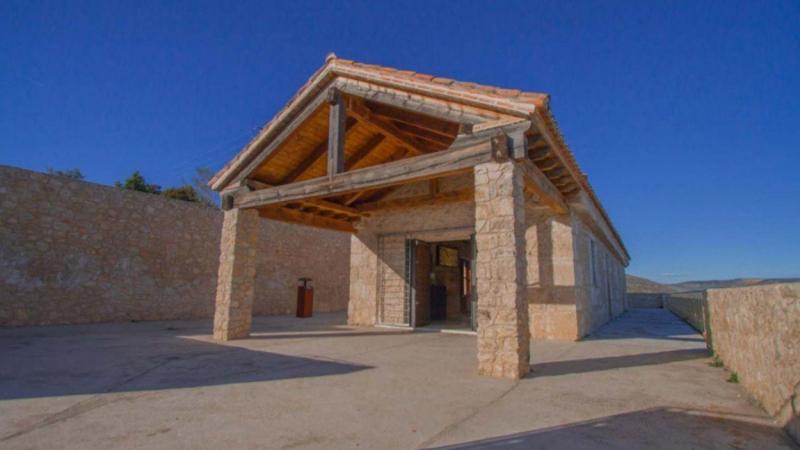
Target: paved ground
[(641, 382)]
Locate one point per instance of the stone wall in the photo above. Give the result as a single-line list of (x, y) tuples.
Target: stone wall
[(568, 296), (689, 306), (575, 284), (600, 279), (78, 252), (392, 280), (645, 300), (377, 265), (756, 332)]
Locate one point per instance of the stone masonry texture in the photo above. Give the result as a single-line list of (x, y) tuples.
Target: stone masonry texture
[(566, 300), (756, 331), (77, 252), (236, 278), (503, 330)]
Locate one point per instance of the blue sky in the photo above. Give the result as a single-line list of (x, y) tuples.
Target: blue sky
[(685, 114)]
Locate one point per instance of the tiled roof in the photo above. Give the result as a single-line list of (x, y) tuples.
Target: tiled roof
[(482, 92), (508, 100), (513, 101)]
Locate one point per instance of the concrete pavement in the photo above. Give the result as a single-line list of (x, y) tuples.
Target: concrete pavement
[(642, 381)]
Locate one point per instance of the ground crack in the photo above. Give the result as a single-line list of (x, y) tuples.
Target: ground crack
[(467, 417)]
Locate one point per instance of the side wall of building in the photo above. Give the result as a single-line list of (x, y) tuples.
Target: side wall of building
[(600, 280), (78, 252), (575, 284)]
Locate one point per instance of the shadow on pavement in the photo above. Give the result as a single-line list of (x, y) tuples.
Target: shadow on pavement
[(658, 428), (59, 364), (554, 368)]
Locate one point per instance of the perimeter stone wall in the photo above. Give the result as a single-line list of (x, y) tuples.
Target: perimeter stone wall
[(756, 332), (78, 252), (689, 306)]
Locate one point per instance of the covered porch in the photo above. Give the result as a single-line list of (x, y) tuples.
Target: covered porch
[(401, 164)]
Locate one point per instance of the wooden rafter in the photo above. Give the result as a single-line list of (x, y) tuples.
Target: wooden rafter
[(447, 130), (317, 204), (425, 135), (539, 153), (270, 150), (537, 184), (314, 156), (462, 157), (549, 163), (363, 151), (364, 115), (355, 197)]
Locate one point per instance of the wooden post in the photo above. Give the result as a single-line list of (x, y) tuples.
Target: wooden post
[(336, 132)]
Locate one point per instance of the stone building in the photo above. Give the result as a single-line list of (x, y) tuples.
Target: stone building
[(466, 210)]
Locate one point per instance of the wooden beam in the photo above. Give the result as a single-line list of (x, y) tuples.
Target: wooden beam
[(539, 153), (361, 112), (461, 157), (430, 106), (355, 197), (555, 172), (430, 145), (549, 164), (447, 130), (519, 143), (537, 184), (363, 151), (268, 152), (421, 133), (433, 186), (336, 131), (315, 203), (442, 198), (314, 156), (302, 218)]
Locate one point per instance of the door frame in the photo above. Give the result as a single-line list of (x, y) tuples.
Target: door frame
[(410, 310)]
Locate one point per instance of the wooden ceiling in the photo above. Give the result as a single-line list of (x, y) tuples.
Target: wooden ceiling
[(376, 134)]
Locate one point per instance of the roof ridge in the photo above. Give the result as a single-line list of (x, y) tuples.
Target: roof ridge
[(538, 99)]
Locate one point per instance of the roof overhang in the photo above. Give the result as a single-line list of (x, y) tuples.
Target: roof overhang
[(467, 103)]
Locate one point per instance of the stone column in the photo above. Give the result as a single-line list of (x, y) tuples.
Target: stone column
[(503, 333), (362, 306), (237, 272)]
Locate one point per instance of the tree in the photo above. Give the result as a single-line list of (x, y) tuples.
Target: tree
[(75, 174), (185, 192), (136, 182), (200, 183)]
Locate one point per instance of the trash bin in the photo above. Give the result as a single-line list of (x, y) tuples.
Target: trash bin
[(305, 297)]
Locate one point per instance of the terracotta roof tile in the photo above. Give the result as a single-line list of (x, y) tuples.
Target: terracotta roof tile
[(489, 95)]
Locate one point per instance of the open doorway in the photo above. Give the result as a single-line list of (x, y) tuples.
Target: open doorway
[(442, 284)]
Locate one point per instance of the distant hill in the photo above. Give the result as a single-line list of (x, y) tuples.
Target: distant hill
[(643, 285)]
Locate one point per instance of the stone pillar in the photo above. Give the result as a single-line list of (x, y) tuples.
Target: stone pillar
[(237, 272), (362, 307), (503, 333)]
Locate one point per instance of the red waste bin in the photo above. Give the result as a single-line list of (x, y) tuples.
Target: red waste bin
[(305, 297)]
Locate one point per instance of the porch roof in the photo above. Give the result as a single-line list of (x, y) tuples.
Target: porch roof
[(493, 103)]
